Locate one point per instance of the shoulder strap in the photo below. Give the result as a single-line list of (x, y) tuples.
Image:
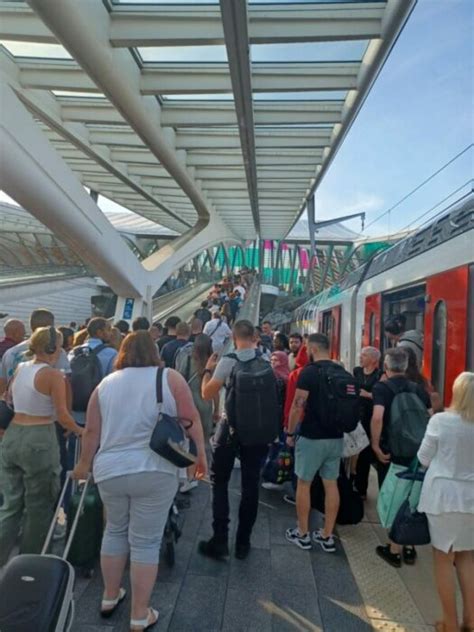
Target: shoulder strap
[(412, 342), (391, 386), (159, 385), (232, 356), (218, 325), (98, 349)]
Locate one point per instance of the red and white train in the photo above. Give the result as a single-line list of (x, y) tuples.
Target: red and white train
[(428, 277)]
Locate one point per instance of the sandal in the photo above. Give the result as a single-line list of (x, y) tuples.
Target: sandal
[(145, 624), (109, 606)]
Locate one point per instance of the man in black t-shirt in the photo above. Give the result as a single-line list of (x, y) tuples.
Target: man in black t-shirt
[(367, 375), (169, 351), (395, 363), (170, 325), (317, 449)]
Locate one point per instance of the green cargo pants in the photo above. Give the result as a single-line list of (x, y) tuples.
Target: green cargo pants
[(29, 473)]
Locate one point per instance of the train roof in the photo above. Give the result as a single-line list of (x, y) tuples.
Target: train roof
[(456, 221)]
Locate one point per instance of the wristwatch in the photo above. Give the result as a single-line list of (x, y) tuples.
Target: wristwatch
[(207, 371), (290, 434)]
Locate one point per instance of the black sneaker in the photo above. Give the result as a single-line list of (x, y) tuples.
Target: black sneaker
[(394, 559), (291, 500), (216, 549), (241, 550), (327, 544), (409, 555), (295, 537)]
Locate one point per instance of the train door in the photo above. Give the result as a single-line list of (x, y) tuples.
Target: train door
[(409, 302), (446, 327), (372, 330), (330, 324)]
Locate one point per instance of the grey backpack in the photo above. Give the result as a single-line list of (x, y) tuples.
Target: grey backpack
[(408, 420)]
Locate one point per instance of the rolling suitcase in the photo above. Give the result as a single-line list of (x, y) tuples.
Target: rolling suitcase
[(87, 539), (37, 590), (85, 546)]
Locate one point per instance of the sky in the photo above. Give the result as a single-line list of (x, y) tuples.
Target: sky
[(417, 117)]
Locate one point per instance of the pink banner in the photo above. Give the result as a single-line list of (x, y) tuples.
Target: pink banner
[(267, 244), (304, 259)]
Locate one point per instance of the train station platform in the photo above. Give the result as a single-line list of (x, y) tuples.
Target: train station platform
[(278, 588)]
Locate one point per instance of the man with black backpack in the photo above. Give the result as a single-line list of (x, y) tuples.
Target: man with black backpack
[(326, 398), (399, 419), (90, 363), (252, 423)]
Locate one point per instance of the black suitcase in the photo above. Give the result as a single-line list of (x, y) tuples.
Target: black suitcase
[(37, 590)]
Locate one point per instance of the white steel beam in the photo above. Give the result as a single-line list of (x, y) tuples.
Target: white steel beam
[(199, 78), (234, 20), (83, 30), (184, 26), (192, 25), (208, 114), (37, 178)]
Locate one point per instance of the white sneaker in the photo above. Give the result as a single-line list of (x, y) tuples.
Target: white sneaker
[(188, 486), (268, 485)]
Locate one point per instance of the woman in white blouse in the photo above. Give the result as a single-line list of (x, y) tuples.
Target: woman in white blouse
[(447, 498)]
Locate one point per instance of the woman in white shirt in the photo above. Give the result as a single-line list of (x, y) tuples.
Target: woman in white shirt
[(447, 498), (136, 485)]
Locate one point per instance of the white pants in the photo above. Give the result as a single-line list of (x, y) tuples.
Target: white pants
[(137, 507)]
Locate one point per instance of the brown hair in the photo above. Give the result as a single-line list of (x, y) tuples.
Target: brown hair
[(80, 338), (137, 350)]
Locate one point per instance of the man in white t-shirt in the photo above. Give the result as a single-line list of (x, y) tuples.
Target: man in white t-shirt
[(15, 355), (218, 331), (241, 290)]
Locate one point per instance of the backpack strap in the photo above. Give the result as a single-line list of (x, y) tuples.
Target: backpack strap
[(159, 385), (412, 342), (232, 356), (218, 325), (98, 349)]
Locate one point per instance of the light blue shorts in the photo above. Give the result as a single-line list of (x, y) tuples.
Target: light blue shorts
[(318, 455)]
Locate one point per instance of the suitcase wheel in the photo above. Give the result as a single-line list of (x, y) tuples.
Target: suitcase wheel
[(88, 573)]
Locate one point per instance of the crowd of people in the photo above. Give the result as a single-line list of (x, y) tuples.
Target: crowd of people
[(100, 382)]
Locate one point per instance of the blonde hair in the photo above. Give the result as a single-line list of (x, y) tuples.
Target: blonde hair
[(41, 339), (116, 338), (463, 396), (80, 337)]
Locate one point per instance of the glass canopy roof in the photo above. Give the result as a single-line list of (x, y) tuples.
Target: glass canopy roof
[(251, 100)]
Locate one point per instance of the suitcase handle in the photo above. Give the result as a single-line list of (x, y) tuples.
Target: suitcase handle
[(72, 531)]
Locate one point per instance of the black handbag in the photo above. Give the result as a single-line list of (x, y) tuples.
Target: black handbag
[(410, 527), (6, 414), (169, 439)]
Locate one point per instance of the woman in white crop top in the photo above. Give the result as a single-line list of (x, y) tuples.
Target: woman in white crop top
[(447, 498), (29, 460), (136, 485)]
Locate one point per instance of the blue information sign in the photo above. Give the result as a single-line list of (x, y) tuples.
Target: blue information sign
[(128, 308)]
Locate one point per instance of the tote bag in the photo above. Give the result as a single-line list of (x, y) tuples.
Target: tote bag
[(355, 441), (395, 491)]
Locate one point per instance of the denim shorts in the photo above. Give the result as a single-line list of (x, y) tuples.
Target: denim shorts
[(318, 455)]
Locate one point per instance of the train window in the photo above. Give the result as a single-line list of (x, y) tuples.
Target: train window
[(372, 329), (411, 303), (440, 329), (327, 325)]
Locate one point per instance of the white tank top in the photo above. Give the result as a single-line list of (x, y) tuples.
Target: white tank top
[(26, 399), (129, 412)]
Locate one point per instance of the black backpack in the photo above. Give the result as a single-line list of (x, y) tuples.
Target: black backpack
[(408, 420), (337, 404), (351, 505), (86, 374), (204, 315), (251, 402)]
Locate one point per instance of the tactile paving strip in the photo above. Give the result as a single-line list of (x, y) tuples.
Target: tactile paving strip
[(388, 603)]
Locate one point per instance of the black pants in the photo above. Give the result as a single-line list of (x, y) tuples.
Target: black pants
[(364, 461), (251, 463)]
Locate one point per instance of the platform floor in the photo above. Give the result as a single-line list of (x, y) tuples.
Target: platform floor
[(278, 588)]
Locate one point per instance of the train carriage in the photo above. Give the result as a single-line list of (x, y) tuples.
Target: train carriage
[(429, 278)]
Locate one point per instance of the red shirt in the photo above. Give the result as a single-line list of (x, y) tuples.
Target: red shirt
[(5, 344)]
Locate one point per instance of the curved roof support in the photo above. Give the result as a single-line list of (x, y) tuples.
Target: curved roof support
[(84, 30)]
